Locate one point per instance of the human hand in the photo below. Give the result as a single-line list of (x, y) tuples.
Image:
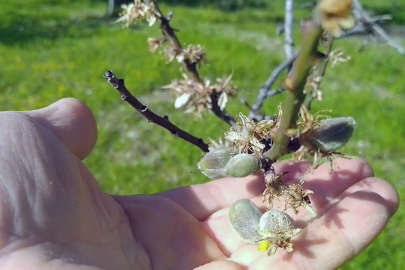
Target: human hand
[(54, 216)]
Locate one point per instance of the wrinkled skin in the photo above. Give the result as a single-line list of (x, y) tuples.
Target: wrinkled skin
[(53, 215)]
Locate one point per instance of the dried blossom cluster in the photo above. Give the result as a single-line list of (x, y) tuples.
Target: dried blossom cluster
[(138, 11), (255, 139), (318, 136), (294, 195), (197, 97), (252, 137), (192, 93), (193, 53)]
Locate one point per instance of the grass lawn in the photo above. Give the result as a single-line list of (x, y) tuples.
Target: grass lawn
[(63, 49)]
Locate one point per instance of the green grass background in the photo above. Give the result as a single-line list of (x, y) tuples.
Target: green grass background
[(53, 49)]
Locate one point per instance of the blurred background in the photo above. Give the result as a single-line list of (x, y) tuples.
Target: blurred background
[(50, 49)]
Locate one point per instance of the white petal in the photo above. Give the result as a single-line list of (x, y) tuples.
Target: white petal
[(152, 20), (180, 57), (182, 100), (223, 99)]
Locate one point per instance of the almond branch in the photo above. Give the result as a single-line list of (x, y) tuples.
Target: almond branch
[(151, 116), (170, 35), (295, 82), (264, 91)]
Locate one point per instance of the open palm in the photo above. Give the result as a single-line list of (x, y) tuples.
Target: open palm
[(54, 216)]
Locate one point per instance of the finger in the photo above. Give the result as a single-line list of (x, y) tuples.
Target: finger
[(71, 122), (205, 199), (362, 216), (223, 265), (219, 229)]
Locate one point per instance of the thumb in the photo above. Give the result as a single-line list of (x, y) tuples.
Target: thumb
[(71, 122)]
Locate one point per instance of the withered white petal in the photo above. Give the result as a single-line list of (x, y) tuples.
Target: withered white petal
[(182, 100), (223, 99)]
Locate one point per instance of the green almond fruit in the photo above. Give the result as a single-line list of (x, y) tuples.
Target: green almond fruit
[(242, 165), (244, 217), (331, 134)]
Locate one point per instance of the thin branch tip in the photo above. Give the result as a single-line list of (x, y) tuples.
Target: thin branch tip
[(150, 116)]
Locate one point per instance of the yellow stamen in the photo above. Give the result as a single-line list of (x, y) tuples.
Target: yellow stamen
[(264, 245)]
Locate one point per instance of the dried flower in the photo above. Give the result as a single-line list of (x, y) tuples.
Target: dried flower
[(171, 52), (197, 97), (250, 137), (294, 195), (271, 231), (139, 10), (149, 12), (225, 89), (335, 16), (191, 95), (154, 43), (194, 53), (219, 144), (243, 136), (337, 56)]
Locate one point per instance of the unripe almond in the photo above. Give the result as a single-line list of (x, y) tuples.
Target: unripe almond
[(213, 163), (242, 165), (244, 217), (331, 134)]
